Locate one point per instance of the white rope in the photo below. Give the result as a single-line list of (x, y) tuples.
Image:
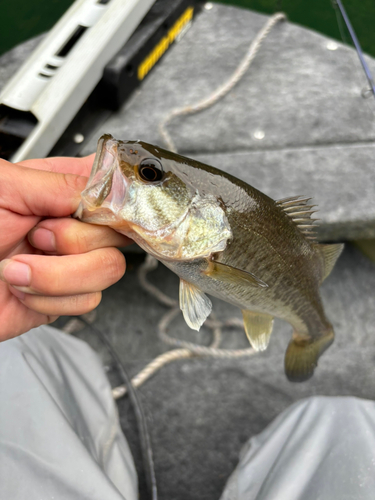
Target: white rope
[(148, 265), (226, 87), (151, 368), (197, 349)]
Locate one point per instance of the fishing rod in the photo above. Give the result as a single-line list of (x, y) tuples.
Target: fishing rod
[(339, 5)]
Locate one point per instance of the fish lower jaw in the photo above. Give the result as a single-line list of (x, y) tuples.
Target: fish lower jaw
[(100, 216)]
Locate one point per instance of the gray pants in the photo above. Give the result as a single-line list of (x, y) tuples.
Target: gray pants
[(60, 436)]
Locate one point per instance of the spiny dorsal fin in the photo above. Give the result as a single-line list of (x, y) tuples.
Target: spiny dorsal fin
[(297, 209), (330, 255)]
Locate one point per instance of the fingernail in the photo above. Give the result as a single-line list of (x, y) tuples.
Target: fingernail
[(15, 273), (17, 293), (44, 239)]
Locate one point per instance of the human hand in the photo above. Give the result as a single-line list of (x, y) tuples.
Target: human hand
[(50, 264)]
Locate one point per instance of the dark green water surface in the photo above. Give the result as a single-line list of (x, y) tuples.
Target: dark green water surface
[(23, 19)]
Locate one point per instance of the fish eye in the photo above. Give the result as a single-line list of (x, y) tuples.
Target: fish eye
[(151, 170)]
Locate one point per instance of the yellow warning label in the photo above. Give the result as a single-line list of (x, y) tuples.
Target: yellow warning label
[(149, 62)]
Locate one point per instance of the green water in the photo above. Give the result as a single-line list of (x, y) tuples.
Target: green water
[(23, 19)]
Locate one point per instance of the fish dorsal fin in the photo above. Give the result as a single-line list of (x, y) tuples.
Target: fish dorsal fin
[(300, 212), (233, 275), (330, 255), (194, 304), (258, 328)]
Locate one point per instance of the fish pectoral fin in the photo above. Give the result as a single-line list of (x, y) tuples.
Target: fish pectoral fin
[(302, 355), (229, 274), (258, 328), (194, 304)]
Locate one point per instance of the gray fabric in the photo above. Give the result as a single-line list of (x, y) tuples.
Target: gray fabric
[(59, 432), (319, 448), (60, 436)]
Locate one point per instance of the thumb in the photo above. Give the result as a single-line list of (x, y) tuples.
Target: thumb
[(28, 191)]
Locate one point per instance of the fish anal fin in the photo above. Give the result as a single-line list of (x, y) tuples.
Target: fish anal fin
[(194, 304), (330, 254), (302, 355), (229, 274), (258, 328)]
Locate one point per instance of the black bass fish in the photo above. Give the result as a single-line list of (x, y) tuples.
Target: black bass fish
[(221, 237)]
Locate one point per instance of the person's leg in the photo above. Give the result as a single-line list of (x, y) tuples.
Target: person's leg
[(59, 431), (319, 448)]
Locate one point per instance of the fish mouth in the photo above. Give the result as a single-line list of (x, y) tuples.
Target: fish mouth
[(106, 190)]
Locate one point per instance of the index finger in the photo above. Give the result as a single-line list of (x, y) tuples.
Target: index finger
[(27, 191)]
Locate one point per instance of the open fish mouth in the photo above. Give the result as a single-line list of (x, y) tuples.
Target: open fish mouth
[(106, 190)]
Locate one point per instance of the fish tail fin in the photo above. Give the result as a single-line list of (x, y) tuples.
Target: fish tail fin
[(330, 254), (302, 355)]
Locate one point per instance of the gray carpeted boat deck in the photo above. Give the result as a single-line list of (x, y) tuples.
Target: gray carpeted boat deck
[(318, 141)]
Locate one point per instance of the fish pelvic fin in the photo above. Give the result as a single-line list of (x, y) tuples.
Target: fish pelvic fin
[(258, 328), (194, 304), (302, 355), (330, 254)]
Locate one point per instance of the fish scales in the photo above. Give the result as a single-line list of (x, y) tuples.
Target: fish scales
[(222, 237), (290, 294)]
